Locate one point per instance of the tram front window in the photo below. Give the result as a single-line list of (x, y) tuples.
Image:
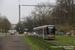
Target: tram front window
[(51, 30)]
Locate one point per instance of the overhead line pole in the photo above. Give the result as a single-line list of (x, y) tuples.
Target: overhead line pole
[(19, 12)]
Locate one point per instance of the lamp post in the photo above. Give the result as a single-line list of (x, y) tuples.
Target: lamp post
[(19, 10), (6, 28), (19, 16), (19, 13)]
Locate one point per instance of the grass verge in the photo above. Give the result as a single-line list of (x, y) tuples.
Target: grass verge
[(34, 46), (66, 39), (3, 37)]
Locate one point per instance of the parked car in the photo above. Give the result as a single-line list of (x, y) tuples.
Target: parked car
[(12, 33)]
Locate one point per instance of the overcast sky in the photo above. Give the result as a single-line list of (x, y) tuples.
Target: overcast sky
[(9, 8)]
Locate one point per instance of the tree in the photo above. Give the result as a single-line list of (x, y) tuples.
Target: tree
[(64, 11), (4, 23), (19, 27), (41, 15)]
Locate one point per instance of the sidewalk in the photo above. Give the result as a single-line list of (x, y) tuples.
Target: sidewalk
[(13, 42)]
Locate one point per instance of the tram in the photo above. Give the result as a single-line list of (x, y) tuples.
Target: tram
[(20, 30), (45, 32), (25, 31)]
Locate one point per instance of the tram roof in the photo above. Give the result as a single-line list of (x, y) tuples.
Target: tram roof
[(43, 26)]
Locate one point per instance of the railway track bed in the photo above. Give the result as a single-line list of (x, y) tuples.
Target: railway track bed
[(51, 43)]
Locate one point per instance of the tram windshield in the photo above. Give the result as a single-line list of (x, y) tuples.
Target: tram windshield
[(51, 30)]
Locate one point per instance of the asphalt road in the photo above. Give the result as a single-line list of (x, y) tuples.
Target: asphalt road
[(14, 42)]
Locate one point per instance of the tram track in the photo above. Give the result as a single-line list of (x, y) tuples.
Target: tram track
[(58, 43), (64, 42), (51, 42), (47, 43), (54, 42), (38, 43)]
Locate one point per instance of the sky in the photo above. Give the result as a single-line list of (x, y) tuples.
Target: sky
[(10, 9)]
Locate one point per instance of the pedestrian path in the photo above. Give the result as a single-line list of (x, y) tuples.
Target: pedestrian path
[(14, 42)]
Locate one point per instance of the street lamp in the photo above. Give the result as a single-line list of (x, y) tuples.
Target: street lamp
[(19, 13), (19, 10)]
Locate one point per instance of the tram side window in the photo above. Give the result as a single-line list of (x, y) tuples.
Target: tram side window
[(40, 31), (45, 31), (35, 31)]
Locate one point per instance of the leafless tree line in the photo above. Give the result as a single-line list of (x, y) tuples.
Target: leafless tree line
[(4, 23), (64, 14)]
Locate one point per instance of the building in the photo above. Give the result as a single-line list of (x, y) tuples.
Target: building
[(13, 26)]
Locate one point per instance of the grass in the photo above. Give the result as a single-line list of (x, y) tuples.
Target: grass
[(52, 43), (45, 44), (34, 46), (66, 39), (3, 37)]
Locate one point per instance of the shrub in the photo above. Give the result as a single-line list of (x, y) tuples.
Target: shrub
[(73, 28), (62, 28)]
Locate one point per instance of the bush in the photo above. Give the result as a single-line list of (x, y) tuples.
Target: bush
[(73, 28), (62, 28)]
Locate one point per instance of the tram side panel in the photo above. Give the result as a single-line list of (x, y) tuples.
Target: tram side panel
[(46, 33)]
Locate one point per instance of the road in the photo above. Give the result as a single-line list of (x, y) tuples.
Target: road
[(14, 42), (3, 34)]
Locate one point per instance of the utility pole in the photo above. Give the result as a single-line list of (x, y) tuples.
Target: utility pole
[(6, 27), (19, 10), (19, 13)]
